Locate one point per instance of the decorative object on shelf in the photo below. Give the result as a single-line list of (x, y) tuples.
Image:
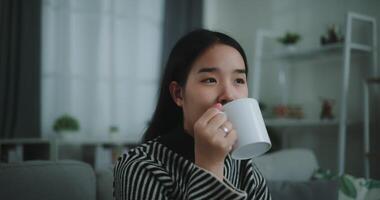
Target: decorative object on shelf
[(290, 38), (332, 36), (66, 126), (288, 111), (295, 111), (280, 111), (327, 109), (113, 131)]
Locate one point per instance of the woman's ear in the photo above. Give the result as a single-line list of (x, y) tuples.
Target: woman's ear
[(176, 93)]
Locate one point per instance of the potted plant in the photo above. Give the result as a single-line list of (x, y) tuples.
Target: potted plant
[(289, 40), (113, 132), (66, 126), (333, 36)]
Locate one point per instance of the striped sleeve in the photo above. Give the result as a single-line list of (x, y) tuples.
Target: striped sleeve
[(254, 182), (204, 185), (133, 179)]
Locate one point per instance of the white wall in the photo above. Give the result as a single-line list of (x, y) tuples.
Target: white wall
[(308, 79)]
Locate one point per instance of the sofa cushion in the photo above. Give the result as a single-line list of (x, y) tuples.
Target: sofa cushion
[(288, 165), (301, 190), (58, 180)]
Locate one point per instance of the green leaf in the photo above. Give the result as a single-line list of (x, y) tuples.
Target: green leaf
[(374, 184), (347, 187), (325, 174)]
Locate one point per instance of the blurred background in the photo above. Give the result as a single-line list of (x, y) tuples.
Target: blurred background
[(79, 78)]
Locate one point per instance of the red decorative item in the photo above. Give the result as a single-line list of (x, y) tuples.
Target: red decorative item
[(280, 110), (327, 107)]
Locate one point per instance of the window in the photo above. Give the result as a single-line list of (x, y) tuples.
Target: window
[(101, 63)]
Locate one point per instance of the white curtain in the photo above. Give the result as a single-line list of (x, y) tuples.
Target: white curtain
[(101, 64)]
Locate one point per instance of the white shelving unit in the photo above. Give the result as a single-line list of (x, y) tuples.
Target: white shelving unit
[(347, 49), (367, 142), (349, 46)]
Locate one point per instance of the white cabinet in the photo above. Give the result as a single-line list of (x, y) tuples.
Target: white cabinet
[(101, 153), (17, 150)]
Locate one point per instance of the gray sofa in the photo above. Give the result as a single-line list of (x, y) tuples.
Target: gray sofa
[(289, 176), (74, 180), (58, 180), (302, 190)]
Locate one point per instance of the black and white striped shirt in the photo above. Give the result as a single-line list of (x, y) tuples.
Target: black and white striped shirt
[(164, 169)]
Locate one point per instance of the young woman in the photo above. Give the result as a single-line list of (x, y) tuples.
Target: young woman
[(187, 144)]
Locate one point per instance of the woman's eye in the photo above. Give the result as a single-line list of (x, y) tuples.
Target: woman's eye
[(240, 81), (209, 80)]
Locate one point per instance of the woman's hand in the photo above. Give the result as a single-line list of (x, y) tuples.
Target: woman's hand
[(212, 144)]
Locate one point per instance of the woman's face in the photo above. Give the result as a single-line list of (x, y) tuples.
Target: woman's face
[(217, 76)]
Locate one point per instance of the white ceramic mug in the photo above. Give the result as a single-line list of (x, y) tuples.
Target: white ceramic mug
[(247, 120)]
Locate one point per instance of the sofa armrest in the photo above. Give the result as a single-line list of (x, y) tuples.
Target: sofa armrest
[(59, 180), (104, 184)]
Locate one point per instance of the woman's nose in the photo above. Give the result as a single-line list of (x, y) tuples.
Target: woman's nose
[(227, 94)]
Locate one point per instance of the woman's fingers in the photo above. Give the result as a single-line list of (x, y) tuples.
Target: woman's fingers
[(217, 121), (207, 116), (226, 127), (231, 139), (214, 130)]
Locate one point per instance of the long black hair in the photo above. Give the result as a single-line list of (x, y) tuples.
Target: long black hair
[(168, 115)]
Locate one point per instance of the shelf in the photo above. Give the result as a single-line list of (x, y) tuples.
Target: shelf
[(299, 122), (24, 141), (373, 80), (360, 47), (96, 141), (328, 50), (21, 149), (75, 141)]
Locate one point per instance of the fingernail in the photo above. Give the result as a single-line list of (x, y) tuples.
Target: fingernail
[(218, 106)]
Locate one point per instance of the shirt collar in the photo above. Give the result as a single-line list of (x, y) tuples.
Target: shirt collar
[(180, 142)]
